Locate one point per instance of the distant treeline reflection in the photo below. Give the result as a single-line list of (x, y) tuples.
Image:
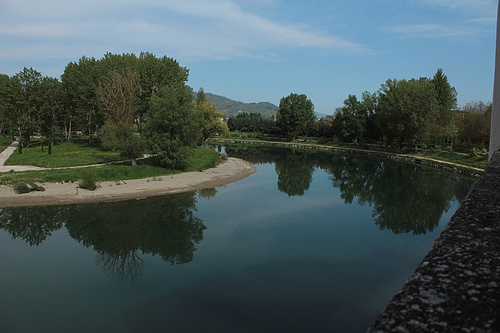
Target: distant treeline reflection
[(405, 197), (118, 232)]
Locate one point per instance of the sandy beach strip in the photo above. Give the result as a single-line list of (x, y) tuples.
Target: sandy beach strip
[(230, 170)]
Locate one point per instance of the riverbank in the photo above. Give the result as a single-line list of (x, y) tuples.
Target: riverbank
[(444, 165), (229, 171)]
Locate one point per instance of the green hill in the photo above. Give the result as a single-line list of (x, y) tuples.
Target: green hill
[(232, 107)]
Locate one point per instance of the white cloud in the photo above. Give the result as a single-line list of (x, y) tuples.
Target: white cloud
[(217, 29), (482, 21)]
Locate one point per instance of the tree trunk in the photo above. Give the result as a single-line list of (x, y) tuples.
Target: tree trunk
[(90, 131), (20, 140), (134, 162), (50, 147), (69, 131)]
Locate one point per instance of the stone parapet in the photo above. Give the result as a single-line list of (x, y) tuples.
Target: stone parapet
[(456, 288)]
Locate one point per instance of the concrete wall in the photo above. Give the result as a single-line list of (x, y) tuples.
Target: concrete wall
[(456, 288)]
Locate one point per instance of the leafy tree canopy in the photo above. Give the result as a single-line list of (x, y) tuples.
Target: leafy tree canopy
[(172, 125), (295, 114)]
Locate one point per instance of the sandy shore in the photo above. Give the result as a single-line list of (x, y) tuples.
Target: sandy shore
[(227, 172)]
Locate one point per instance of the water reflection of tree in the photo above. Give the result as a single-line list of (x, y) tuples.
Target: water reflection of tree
[(164, 226), (294, 173), (405, 198), (33, 225), (294, 167), (207, 193), (256, 154), (119, 231)]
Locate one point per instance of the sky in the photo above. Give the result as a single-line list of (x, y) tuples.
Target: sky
[(264, 50)]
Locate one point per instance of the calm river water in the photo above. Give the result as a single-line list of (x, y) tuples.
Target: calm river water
[(312, 242)]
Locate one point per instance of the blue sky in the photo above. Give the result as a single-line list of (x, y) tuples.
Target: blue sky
[(263, 50)]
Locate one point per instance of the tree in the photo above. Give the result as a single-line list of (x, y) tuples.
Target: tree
[(51, 109), (407, 110), (446, 98), (172, 126), (212, 119), (201, 97), (4, 86), (156, 73), (370, 103), (117, 95), (474, 123), (80, 81), (295, 114), (122, 136), (24, 102), (354, 117)]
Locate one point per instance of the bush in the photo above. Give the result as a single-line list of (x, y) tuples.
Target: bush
[(88, 181), (479, 152), (22, 188)]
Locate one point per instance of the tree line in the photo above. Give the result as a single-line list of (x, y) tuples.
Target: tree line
[(125, 102), (401, 113)]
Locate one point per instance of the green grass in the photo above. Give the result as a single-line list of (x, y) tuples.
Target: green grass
[(202, 158), (65, 154), (458, 158), (4, 142)]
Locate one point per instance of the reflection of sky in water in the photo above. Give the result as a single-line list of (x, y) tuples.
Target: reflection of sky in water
[(267, 262)]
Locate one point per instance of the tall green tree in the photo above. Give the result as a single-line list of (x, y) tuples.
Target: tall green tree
[(212, 118), (407, 110), (353, 118), (369, 102), (200, 96), (172, 125), (446, 97), (295, 114), (82, 106), (51, 110), (24, 104), (155, 73), (4, 86)]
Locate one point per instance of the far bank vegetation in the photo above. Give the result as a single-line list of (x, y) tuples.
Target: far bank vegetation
[(124, 105)]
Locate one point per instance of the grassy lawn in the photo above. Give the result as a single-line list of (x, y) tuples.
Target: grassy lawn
[(104, 173), (459, 158), (64, 154), (80, 153), (4, 142)]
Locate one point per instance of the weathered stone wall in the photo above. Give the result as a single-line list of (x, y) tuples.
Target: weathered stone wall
[(456, 288)]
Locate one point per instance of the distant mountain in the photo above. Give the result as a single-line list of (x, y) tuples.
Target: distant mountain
[(232, 107), (321, 115)]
